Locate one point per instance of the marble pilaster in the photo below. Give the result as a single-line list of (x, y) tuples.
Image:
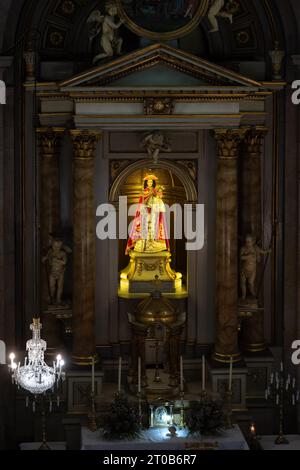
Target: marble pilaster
[(84, 246), (252, 336), (50, 146), (226, 342)]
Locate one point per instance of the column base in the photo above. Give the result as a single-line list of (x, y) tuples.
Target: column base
[(220, 381), (226, 358), (254, 348), (252, 329), (85, 360), (260, 366)]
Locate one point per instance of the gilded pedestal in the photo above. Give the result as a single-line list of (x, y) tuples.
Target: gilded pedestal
[(84, 251), (226, 343), (145, 268)]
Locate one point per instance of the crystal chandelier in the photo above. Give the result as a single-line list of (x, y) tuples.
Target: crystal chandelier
[(35, 375)]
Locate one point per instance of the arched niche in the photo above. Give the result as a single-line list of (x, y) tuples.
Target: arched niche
[(179, 189), (179, 170)]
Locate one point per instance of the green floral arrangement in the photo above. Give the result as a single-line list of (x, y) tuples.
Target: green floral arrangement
[(122, 420), (205, 417)]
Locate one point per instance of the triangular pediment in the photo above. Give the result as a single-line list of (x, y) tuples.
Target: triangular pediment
[(158, 66)]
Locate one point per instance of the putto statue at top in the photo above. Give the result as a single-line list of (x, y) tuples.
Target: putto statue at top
[(107, 28), (217, 9)]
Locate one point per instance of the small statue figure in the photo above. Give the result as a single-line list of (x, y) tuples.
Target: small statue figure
[(217, 9), (105, 25), (55, 262), (250, 257), (156, 143), (149, 230)]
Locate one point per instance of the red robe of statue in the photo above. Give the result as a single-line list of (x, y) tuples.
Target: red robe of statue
[(151, 208)]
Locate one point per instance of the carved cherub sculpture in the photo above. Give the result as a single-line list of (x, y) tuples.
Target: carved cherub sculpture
[(155, 143), (250, 257), (55, 262), (217, 9), (105, 25)]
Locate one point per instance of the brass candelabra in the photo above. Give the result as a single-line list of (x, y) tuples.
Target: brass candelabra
[(182, 423), (282, 391), (228, 408), (92, 423)]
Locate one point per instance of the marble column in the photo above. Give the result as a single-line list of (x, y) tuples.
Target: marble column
[(84, 246), (252, 336), (226, 342), (50, 222)]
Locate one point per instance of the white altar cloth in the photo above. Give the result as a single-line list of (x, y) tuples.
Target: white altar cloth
[(157, 439)]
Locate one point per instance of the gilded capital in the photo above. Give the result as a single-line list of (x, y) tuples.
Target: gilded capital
[(253, 139), (228, 142), (50, 139), (84, 143)]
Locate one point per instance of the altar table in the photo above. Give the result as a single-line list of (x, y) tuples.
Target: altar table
[(158, 439), (268, 443)]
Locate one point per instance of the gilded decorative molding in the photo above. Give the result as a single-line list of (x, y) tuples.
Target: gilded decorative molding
[(116, 167), (191, 166), (158, 53), (158, 106), (200, 13)]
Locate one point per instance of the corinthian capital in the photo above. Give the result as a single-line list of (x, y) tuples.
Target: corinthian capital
[(253, 139), (84, 143), (50, 139), (228, 142)]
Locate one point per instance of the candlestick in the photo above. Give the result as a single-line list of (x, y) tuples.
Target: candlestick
[(181, 374), (93, 375), (253, 430), (120, 375), (203, 373), (139, 374), (230, 374)]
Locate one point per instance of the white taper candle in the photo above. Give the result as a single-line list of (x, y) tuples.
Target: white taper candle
[(181, 374), (230, 374), (120, 375), (203, 373), (139, 374), (93, 375)]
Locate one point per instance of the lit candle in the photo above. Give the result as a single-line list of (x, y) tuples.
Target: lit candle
[(12, 358), (230, 374), (120, 375), (139, 374), (252, 429), (181, 374), (203, 373), (93, 375)]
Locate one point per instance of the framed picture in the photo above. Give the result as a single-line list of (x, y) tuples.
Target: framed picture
[(162, 19)]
